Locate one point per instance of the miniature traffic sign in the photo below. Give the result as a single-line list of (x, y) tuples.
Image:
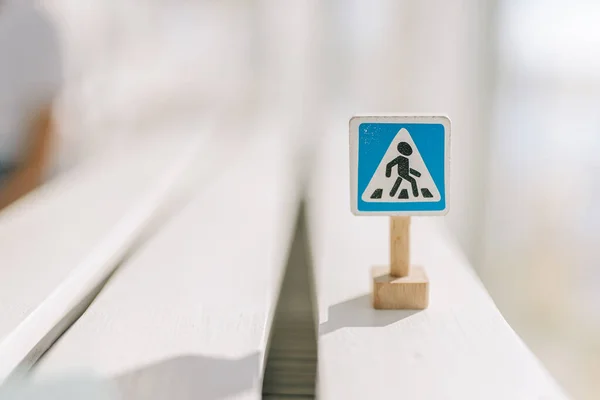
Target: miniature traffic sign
[(399, 166)]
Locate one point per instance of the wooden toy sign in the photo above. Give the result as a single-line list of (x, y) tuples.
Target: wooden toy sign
[(399, 165)]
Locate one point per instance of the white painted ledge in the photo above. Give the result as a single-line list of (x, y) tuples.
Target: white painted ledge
[(61, 242), (459, 348), (189, 314)]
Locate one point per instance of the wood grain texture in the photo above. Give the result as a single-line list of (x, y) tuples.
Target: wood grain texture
[(399, 246), (188, 315), (460, 347), (61, 242), (410, 292)]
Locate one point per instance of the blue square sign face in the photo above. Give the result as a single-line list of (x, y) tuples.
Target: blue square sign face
[(399, 165)]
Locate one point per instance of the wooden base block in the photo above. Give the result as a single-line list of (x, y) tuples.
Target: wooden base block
[(408, 293)]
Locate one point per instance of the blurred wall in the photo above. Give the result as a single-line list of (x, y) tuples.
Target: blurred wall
[(542, 222), (134, 67)]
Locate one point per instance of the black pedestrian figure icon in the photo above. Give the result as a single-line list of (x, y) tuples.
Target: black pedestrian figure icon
[(404, 171)]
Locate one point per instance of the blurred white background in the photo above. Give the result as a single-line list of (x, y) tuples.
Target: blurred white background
[(520, 81)]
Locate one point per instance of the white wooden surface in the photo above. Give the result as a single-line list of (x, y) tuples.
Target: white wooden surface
[(63, 240), (188, 315), (459, 348)]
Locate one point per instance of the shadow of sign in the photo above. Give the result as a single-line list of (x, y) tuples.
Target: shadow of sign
[(359, 313), (191, 377)]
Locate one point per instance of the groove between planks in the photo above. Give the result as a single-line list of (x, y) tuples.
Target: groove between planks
[(291, 367)]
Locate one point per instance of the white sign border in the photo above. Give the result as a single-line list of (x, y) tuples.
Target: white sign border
[(355, 122)]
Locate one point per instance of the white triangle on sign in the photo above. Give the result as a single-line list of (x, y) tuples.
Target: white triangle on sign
[(384, 189)]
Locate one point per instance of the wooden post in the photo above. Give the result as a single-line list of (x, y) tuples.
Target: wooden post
[(399, 246), (400, 286)]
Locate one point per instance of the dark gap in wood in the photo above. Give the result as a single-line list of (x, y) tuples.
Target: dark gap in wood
[(291, 367)]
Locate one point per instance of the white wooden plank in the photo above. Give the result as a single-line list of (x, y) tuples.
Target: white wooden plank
[(61, 242), (188, 316), (459, 348)]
